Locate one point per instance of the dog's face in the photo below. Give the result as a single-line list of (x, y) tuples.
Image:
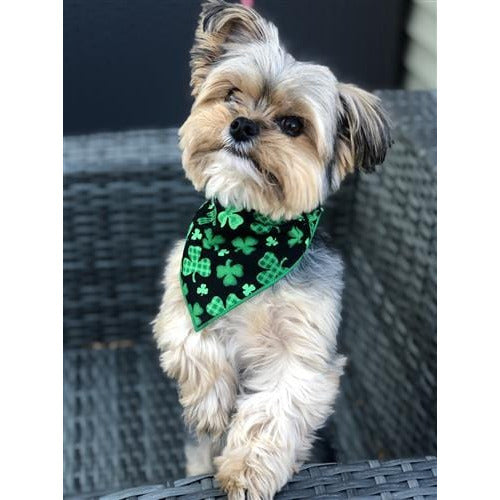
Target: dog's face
[(267, 132)]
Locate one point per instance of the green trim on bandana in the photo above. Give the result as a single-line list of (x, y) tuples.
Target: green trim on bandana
[(232, 255)]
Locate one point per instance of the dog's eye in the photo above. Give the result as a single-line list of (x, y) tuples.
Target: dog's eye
[(230, 95), (291, 125)]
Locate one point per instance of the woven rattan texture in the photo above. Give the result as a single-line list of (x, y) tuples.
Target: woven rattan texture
[(387, 406), (118, 226), (392, 480), (122, 420)]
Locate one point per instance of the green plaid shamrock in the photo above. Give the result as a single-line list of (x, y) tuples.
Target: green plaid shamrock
[(194, 265), (216, 306), (274, 269), (263, 224), (230, 215)]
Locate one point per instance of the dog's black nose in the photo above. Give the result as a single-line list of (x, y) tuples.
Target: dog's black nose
[(243, 129)]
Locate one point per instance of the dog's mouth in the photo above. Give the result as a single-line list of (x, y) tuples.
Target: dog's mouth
[(269, 176)]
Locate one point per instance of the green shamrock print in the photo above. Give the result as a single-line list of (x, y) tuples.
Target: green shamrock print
[(194, 265), (196, 310), (271, 242), (230, 215), (263, 224), (211, 217), (248, 289), (313, 219), (184, 289), (202, 289), (222, 252), (216, 306), (246, 246), (196, 235), (296, 236), (229, 273), (212, 240), (274, 269)]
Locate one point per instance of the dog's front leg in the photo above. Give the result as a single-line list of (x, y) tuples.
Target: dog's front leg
[(197, 360), (285, 400)]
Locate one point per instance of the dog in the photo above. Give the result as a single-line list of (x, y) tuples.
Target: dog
[(271, 136)]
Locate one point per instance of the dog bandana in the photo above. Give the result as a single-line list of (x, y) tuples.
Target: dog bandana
[(232, 255)]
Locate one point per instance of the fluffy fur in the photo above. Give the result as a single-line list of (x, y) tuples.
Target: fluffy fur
[(256, 384)]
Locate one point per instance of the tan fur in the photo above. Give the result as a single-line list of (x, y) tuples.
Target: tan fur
[(263, 378)]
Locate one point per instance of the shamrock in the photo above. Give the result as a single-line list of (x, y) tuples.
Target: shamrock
[(212, 240), (229, 273), (195, 311), (202, 289), (271, 242), (313, 218), (248, 289), (216, 306), (231, 216), (274, 269), (247, 245), (222, 252), (194, 265), (211, 217), (184, 289), (296, 236), (196, 235), (263, 224)]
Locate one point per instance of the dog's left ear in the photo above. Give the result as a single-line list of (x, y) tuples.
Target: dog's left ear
[(222, 23), (363, 131)]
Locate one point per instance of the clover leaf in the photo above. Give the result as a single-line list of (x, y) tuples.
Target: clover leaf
[(196, 310), (212, 240), (229, 273), (230, 215), (271, 242), (202, 289), (194, 265), (196, 235), (274, 269), (246, 246), (248, 289), (296, 236)]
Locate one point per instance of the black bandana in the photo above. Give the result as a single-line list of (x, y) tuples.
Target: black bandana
[(231, 255)]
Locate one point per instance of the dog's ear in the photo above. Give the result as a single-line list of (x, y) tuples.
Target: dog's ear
[(222, 23), (363, 131)]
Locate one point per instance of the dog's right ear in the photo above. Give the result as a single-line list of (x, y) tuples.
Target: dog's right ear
[(221, 23)]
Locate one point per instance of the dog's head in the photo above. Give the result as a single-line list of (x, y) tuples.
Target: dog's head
[(267, 132)]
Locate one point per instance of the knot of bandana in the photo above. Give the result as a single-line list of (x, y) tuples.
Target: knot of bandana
[(232, 255)]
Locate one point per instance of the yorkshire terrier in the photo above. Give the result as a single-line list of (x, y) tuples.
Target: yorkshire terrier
[(267, 140)]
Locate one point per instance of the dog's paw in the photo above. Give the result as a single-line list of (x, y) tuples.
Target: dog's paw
[(243, 472)]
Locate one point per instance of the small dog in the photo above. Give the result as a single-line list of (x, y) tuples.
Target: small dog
[(274, 136)]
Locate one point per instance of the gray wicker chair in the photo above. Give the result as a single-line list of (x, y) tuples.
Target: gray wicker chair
[(122, 421)]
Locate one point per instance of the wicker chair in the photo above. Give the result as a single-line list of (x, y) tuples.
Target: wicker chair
[(122, 420)]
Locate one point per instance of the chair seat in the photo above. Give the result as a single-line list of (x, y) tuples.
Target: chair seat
[(395, 479)]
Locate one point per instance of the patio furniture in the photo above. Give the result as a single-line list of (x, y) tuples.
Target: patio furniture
[(122, 420)]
